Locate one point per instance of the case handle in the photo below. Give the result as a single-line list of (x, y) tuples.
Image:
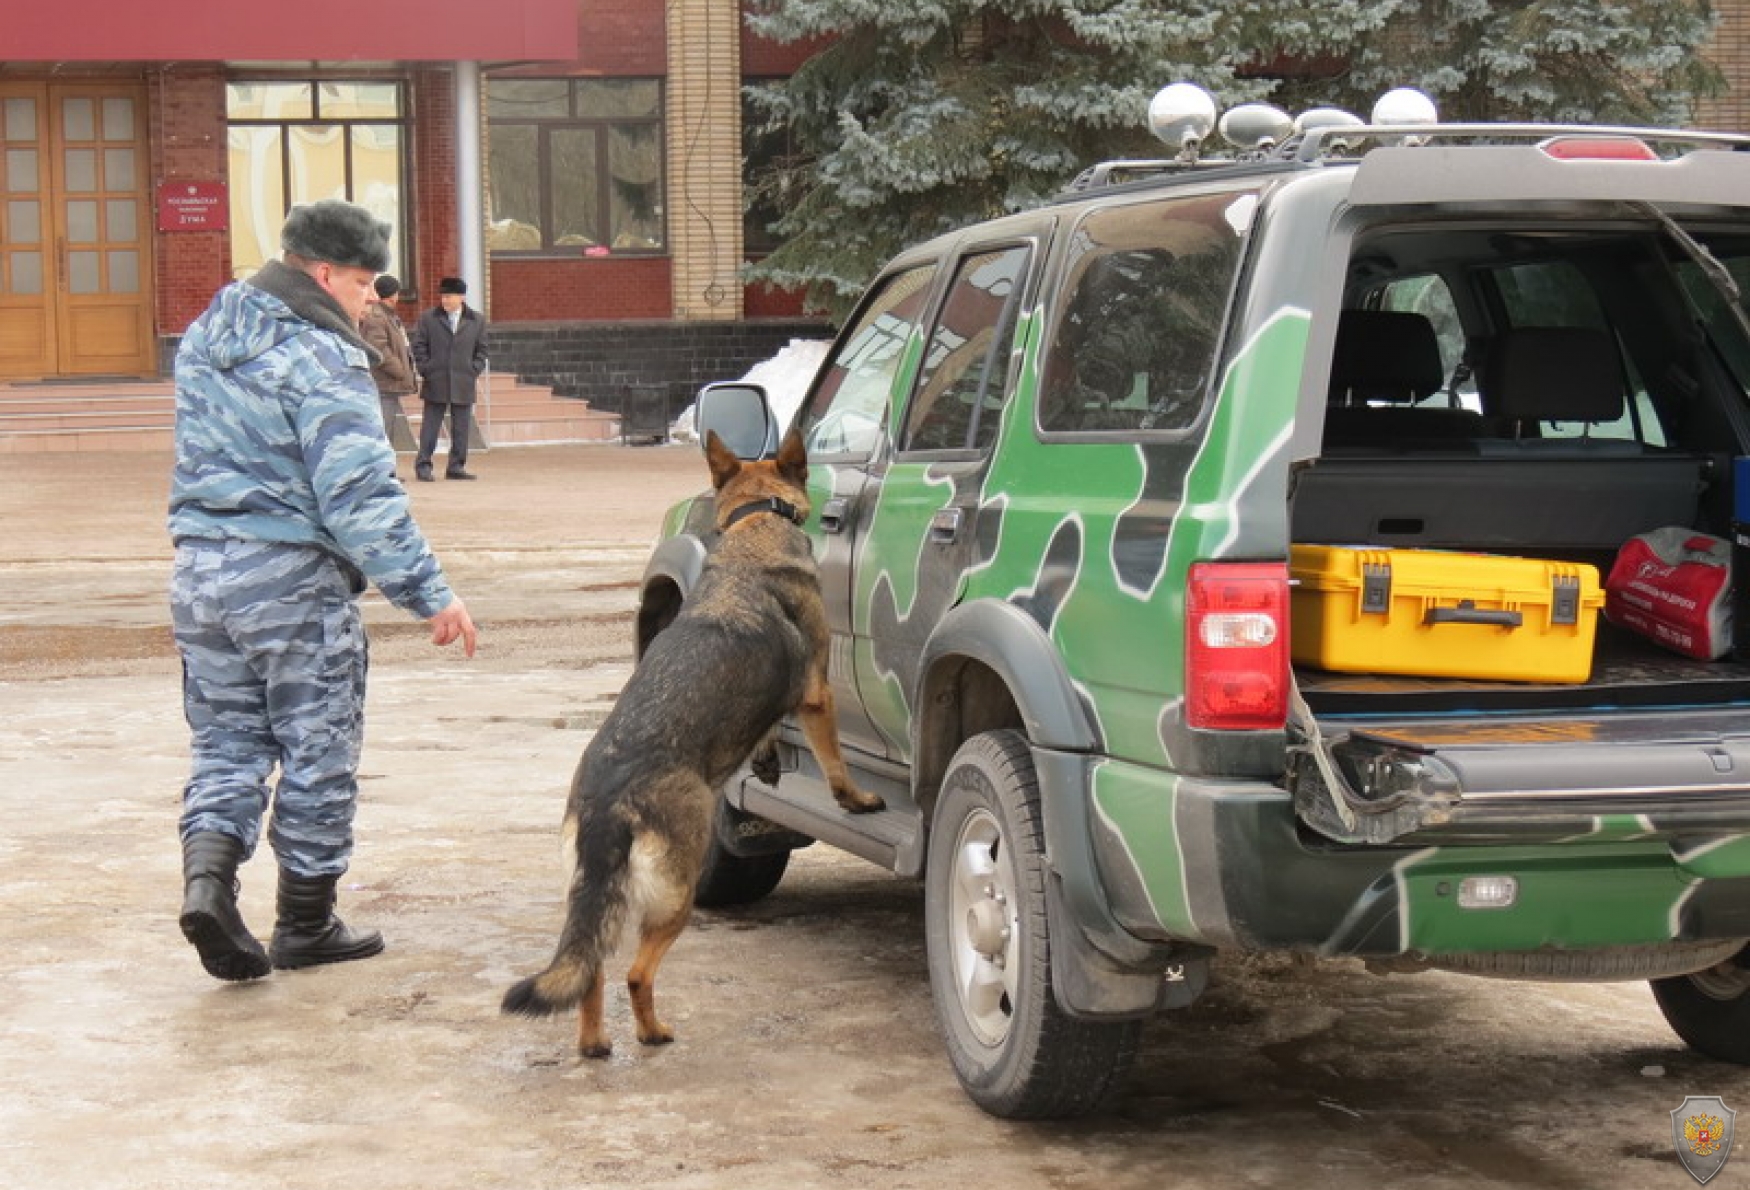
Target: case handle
[(1468, 612)]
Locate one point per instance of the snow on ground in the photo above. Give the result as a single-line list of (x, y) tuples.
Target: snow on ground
[(785, 377)]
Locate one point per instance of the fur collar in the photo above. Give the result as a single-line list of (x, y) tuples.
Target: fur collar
[(309, 301)]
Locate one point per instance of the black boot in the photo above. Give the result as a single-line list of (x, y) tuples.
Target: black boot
[(209, 908), (307, 933)]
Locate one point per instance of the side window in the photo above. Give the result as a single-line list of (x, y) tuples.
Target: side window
[(1134, 343), (965, 374), (1722, 327), (848, 411), (1558, 294)]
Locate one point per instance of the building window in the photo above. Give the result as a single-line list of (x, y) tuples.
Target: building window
[(576, 166), (301, 140)]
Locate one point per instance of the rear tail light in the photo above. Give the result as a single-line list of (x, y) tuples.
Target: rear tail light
[(1236, 646), (1597, 148)]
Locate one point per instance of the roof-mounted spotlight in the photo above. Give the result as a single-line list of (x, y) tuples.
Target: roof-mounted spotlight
[(1182, 115), (1255, 127), (1319, 119), (1405, 105)]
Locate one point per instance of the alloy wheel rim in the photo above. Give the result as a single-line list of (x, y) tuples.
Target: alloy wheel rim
[(983, 928), (1725, 982)]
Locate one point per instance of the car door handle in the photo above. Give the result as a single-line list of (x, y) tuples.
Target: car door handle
[(832, 516), (945, 526)]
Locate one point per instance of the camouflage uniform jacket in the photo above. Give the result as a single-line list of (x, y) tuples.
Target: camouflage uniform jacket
[(279, 437)]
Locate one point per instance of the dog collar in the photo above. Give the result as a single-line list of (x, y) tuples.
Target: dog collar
[(783, 508)]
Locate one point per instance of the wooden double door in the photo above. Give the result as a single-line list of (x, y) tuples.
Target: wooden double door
[(75, 231)]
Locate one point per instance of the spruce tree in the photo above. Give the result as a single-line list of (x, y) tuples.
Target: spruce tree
[(919, 116)]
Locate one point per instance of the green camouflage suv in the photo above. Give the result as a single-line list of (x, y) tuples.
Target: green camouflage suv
[(1057, 464)]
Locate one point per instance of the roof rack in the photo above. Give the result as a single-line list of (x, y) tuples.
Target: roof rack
[(1345, 145), (1309, 147), (1117, 173)]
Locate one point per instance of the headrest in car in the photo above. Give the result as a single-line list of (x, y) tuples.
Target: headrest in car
[(1385, 355)]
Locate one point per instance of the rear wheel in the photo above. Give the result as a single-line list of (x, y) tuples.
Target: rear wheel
[(1710, 1009), (1017, 1054), (738, 879)]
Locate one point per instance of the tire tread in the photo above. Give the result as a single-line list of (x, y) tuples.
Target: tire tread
[(1074, 1065), (1718, 1028)]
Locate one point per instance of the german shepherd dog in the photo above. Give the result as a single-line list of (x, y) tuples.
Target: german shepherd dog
[(748, 647)]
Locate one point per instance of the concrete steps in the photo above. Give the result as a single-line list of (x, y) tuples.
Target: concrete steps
[(512, 411), (98, 415), (140, 415)]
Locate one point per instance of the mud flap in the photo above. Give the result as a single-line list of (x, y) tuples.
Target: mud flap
[(1089, 986)]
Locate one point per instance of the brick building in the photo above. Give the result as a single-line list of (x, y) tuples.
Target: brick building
[(580, 162), (1730, 51)]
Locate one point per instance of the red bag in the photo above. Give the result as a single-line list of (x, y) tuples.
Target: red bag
[(1674, 586)]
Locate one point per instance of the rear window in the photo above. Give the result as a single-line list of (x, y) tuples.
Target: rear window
[(1535, 331)]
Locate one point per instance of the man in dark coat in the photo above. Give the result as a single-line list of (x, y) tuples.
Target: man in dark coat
[(449, 352)]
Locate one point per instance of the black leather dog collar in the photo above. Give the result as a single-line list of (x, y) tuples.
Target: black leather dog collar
[(783, 508)]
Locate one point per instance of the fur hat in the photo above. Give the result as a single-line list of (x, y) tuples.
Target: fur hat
[(387, 286), (452, 285), (339, 233)]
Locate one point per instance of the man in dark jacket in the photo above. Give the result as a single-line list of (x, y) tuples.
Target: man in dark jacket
[(381, 328), (449, 352)]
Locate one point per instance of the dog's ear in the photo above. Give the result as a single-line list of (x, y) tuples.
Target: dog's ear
[(793, 459), (724, 465)]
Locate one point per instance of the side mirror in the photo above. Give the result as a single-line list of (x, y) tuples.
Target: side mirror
[(741, 416)]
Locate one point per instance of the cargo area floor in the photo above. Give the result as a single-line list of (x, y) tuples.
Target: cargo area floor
[(1627, 671)]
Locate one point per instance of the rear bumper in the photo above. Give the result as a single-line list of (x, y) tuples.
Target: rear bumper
[(1481, 779), (1226, 864)]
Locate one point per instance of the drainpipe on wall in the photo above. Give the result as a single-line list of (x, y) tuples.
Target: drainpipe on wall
[(470, 222)]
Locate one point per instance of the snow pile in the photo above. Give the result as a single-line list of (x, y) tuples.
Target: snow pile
[(785, 377)]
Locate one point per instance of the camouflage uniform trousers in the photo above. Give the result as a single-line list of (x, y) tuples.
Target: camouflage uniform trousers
[(274, 658)]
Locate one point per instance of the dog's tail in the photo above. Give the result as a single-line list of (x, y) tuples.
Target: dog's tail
[(595, 909)]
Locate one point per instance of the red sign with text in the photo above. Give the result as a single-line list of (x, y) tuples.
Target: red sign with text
[(192, 206)]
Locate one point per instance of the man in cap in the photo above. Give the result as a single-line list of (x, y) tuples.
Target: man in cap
[(284, 505), (381, 329), (449, 352)]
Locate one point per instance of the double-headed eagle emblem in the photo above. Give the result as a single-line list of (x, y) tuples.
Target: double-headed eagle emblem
[(1702, 1132)]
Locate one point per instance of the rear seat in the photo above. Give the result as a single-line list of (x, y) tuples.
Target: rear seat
[(1507, 492), (1385, 361)]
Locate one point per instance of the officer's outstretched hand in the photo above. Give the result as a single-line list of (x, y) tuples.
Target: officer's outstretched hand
[(453, 622)]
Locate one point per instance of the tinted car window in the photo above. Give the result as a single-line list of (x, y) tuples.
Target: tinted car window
[(1134, 344), (965, 373), (848, 411), (1723, 328)]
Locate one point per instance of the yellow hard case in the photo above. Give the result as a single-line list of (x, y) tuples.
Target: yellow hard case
[(1431, 613)]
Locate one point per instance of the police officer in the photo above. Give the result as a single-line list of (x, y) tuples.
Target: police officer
[(284, 504)]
